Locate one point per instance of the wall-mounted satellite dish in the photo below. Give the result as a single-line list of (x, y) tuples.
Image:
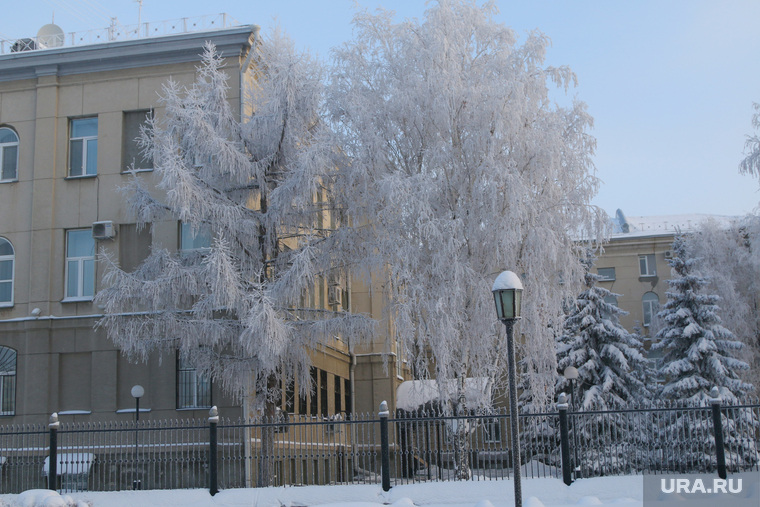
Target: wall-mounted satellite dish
[(50, 36)]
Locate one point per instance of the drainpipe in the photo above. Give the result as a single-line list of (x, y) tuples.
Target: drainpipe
[(246, 64)]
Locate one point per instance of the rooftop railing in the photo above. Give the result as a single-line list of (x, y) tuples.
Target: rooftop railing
[(119, 32)]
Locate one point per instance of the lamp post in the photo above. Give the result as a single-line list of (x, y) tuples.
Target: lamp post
[(137, 392), (507, 294), (571, 373)]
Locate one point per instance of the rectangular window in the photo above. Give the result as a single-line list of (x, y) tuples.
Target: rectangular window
[(83, 147), (313, 397), (193, 389), (7, 381), (134, 246), (80, 265), (8, 155), (132, 156), (650, 303), (492, 431), (290, 397), (193, 239), (336, 389), (606, 274), (647, 265), (302, 404), (323, 392), (347, 397)]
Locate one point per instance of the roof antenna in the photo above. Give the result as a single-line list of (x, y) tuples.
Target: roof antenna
[(139, 15)]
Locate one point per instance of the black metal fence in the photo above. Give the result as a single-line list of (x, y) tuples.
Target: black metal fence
[(298, 450)]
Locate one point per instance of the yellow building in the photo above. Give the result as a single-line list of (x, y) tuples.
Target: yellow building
[(69, 115)]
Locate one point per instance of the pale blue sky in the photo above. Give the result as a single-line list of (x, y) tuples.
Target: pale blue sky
[(669, 83)]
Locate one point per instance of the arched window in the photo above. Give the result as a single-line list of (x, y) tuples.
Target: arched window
[(650, 303), (8, 155), (7, 381), (7, 257)]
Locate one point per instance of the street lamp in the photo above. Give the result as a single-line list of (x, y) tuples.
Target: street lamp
[(571, 373), (507, 294), (137, 392)]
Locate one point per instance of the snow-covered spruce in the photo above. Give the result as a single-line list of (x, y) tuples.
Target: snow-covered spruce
[(612, 374), (728, 256), (699, 353)]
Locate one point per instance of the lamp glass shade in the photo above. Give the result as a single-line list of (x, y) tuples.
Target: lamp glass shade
[(508, 303), (138, 391), (571, 373)]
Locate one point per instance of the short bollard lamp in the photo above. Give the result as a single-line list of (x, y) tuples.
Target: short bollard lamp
[(507, 294)]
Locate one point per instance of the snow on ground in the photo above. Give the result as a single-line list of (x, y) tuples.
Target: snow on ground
[(622, 491)]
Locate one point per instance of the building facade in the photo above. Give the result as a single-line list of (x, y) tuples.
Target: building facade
[(69, 117)]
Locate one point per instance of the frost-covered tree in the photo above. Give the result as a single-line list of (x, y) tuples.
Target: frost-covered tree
[(728, 256), (612, 374), (248, 193), (751, 162), (699, 354), (462, 167)]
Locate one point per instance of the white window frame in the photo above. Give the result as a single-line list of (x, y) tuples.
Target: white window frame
[(191, 386), (649, 265), (86, 140), (80, 262), (650, 306), (4, 147), (12, 258)]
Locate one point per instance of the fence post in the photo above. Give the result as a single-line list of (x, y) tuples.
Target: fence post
[(213, 480), (720, 451), (564, 442), (384, 447), (53, 455)]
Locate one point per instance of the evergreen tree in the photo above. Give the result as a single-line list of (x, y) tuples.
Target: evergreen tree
[(612, 374), (612, 369), (699, 353)]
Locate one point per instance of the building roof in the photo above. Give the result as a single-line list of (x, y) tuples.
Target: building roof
[(662, 225), (124, 54)]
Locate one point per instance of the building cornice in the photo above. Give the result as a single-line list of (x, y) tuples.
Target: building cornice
[(117, 55)]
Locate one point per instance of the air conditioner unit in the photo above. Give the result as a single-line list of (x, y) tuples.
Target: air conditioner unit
[(668, 254), (103, 230), (334, 296)]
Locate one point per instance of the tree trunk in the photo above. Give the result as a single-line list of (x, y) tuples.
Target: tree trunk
[(266, 456), (462, 450)]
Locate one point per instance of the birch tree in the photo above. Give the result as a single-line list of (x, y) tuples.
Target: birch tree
[(750, 164), (462, 166), (235, 307)]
